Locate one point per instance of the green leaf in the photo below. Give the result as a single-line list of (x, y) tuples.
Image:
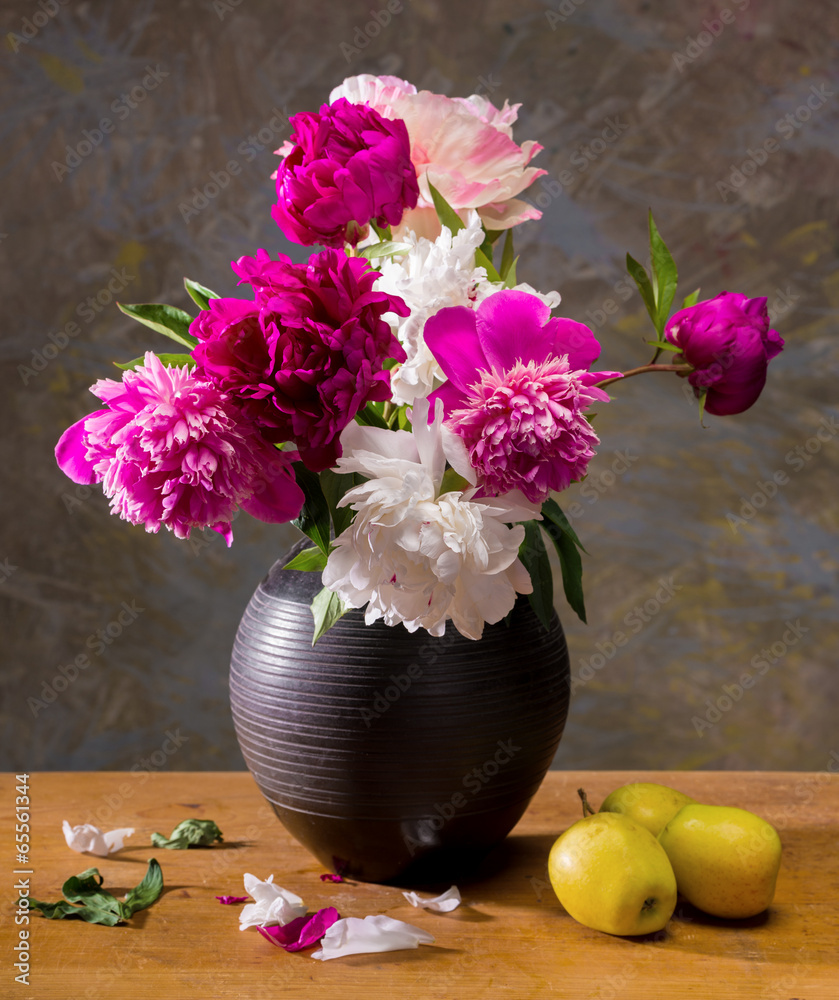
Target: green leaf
[(170, 360), (403, 421), (370, 418), (664, 345), (510, 280), (554, 513), (97, 905), (453, 482), (148, 891), (189, 833), (61, 910), (334, 486), (382, 232), (639, 276), (168, 320), (507, 255), (481, 260), (534, 555), (308, 560), (490, 236), (200, 294), (666, 276), (327, 608), (313, 519), (558, 528), (386, 249), (691, 300), (445, 213)]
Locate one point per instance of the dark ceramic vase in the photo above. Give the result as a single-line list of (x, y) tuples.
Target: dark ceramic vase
[(394, 756)]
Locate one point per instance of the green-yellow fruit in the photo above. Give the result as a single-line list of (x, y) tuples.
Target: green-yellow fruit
[(651, 805), (726, 859), (611, 874)]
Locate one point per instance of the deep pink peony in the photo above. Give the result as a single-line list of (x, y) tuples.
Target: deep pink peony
[(307, 354), (463, 145), (518, 386), (343, 167), (171, 450), (728, 341)]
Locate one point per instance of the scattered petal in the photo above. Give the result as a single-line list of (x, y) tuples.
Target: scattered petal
[(230, 900), (329, 877), (272, 904), (88, 839), (444, 903), (302, 932), (357, 936)]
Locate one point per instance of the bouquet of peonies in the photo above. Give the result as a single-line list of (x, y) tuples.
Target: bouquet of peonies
[(400, 397)]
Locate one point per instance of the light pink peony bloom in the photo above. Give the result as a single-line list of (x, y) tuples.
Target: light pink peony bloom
[(518, 388), (171, 450), (464, 146)]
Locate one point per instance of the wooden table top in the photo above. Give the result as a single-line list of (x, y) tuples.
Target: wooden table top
[(510, 938)]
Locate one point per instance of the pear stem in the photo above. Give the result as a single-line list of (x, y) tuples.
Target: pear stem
[(587, 810)]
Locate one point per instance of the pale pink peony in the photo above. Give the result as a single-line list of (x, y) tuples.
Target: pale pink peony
[(518, 388), (171, 450), (464, 146)]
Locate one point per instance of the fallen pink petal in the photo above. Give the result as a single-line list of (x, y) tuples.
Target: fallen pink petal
[(302, 932), (330, 877), (230, 900)]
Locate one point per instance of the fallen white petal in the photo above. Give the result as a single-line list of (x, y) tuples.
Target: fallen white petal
[(88, 839), (444, 903), (357, 936), (273, 904)]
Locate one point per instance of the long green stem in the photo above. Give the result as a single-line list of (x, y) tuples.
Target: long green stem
[(645, 368)]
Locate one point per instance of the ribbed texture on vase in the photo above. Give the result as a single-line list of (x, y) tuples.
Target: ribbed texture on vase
[(377, 734)]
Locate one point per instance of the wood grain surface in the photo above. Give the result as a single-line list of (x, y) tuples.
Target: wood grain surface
[(510, 938)]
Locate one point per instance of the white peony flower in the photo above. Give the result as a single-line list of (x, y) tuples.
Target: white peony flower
[(414, 555), (272, 904), (432, 276)]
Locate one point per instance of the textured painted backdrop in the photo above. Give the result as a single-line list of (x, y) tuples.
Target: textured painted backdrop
[(637, 104)]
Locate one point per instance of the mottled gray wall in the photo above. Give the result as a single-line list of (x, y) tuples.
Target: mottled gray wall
[(687, 112)]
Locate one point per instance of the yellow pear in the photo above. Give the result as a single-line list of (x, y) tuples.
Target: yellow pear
[(611, 874), (726, 859), (651, 805)]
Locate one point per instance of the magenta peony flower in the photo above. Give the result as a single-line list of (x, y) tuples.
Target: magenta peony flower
[(307, 354), (343, 167), (464, 146), (518, 386), (728, 341), (172, 450)]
